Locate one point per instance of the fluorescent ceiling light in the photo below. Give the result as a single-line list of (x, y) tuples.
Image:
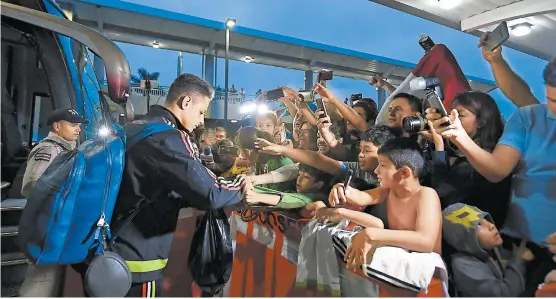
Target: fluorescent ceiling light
[(447, 4), (521, 29)]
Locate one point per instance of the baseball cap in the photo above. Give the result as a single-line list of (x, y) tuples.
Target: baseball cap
[(69, 115)]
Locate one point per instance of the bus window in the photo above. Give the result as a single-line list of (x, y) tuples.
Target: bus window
[(42, 107)]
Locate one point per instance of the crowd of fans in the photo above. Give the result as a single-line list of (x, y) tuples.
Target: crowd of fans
[(470, 187)]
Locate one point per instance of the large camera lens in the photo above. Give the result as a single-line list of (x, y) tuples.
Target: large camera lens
[(414, 124)]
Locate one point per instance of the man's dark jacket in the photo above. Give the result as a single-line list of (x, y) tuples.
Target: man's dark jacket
[(162, 174)]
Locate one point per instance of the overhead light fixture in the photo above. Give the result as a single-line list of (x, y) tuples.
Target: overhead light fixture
[(156, 45), (448, 4), (230, 23), (521, 29), (262, 109), (248, 59), (233, 120), (248, 108)]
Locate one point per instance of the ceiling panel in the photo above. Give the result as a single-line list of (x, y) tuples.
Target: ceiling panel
[(540, 42), (138, 28)]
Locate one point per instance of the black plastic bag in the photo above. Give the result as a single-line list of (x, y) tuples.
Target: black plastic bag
[(211, 255)]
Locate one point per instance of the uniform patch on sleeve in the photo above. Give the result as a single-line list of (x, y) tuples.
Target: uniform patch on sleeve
[(43, 157)]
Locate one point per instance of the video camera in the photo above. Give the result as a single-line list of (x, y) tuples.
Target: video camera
[(325, 75), (433, 97), (355, 97), (426, 42), (274, 94)]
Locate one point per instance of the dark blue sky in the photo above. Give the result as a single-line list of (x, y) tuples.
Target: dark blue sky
[(354, 24)]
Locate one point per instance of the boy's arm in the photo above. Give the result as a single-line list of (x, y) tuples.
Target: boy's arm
[(361, 218), (346, 111), (475, 278), (283, 174), (367, 197), (310, 158), (427, 227)]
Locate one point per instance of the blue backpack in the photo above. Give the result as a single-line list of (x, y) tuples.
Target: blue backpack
[(67, 217)]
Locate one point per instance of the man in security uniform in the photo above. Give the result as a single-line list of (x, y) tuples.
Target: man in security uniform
[(65, 127), (163, 173)]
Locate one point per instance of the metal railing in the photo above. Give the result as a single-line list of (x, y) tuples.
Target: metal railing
[(135, 89)]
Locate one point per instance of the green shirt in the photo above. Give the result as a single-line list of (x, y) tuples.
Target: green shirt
[(271, 165)]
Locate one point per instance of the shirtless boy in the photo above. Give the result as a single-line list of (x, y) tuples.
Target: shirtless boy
[(411, 213)]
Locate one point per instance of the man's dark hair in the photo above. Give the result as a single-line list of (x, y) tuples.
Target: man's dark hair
[(371, 110), (189, 85), (319, 175), (378, 135), (414, 102), (404, 151), (549, 73), (221, 129)]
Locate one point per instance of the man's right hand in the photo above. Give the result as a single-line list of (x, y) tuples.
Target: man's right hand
[(248, 183), (323, 123), (376, 81), (339, 195), (490, 56), (322, 91), (290, 93)]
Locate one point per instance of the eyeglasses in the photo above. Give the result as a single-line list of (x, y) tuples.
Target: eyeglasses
[(304, 132)]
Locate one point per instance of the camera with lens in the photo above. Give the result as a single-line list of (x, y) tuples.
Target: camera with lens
[(433, 98), (415, 124), (307, 95)]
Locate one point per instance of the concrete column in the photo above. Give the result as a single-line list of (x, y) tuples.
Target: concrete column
[(309, 80), (381, 97), (209, 69)]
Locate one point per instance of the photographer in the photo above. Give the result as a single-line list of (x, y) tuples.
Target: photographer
[(225, 156), (527, 146), (453, 178), (403, 105)]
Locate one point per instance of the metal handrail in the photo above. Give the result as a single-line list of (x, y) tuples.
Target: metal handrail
[(13, 204), (9, 231), (15, 258)]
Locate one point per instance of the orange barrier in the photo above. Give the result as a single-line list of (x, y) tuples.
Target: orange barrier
[(547, 290), (434, 290), (258, 271), (261, 270)]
